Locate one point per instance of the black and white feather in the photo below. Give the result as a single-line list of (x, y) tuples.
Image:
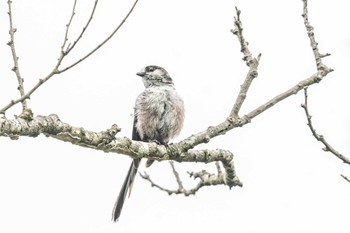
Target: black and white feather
[(159, 116)]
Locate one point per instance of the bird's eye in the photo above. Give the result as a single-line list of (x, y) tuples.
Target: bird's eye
[(151, 69)]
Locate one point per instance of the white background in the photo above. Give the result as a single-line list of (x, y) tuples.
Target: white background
[(290, 184)]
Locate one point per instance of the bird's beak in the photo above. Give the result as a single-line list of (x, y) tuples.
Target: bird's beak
[(141, 73)]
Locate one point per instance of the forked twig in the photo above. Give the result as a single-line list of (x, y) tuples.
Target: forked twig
[(205, 179), (69, 48), (234, 121), (64, 52), (102, 43), (251, 62), (314, 45)]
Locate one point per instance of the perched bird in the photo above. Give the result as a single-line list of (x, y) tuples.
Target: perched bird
[(158, 117)]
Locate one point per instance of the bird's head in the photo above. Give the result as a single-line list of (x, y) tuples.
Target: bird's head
[(155, 76)]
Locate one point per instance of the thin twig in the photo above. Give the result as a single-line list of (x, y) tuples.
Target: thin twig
[(169, 191), (238, 31), (206, 179), (228, 177), (63, 54), (27, 95), (251, 62), (148, 178), (176, 174), (63, 50), (345, 178), (15, 58), (102, 43), (84, 28), (322, 71), (314, 45), (319, 137)]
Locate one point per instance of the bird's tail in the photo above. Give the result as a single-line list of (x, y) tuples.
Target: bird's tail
[(127, 185)]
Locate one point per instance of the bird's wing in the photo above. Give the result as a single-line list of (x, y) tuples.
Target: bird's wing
[(135, 134)]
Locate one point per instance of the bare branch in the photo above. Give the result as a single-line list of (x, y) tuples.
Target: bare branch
[(231, 123), (233, 120), (69, 48), (345, 178), (15, 58), (63, 54), (251, 62), (180, 189), (322, 71), (176, 174), (186, 192), (148, 178), (207, 156), (27, 95), (52, 126), (102, 43), (228, 178), (314, 45), (105, 141), (206, 179), (328, 147)]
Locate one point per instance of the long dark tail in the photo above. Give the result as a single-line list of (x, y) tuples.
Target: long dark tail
[(127, 185)]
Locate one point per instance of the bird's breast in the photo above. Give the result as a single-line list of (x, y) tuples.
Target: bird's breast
[(160, 114)]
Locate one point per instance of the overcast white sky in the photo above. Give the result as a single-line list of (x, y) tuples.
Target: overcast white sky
[(290, 184)]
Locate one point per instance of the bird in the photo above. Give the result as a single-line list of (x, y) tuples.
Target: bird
[(158, 117)]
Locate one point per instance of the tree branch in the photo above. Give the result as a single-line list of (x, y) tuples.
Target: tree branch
[(15, 58), (234, 120), (322, 70), (251, 62), (153, 184), (177, 176), (65, 39), (103, 42), (328, 147), (63, 54), (180, 189), (314, 45), (345, 178), (106, 141), (69, 48), (206, 179), (52, 126)]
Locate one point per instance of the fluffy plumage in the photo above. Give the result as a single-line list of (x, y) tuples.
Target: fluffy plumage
[(159, 116)]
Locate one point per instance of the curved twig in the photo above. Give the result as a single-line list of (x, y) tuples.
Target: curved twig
[(320, 137), (102, 43), (69, 48), (63, 54)]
